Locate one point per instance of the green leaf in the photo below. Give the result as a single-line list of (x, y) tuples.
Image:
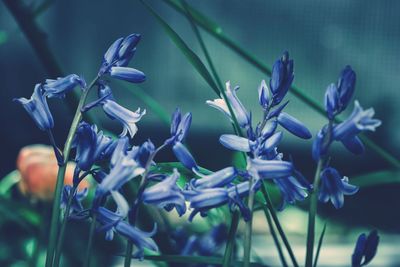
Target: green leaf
[(376, 178), (23, 215), (321, 239), (8, 182), (189, 54), (3, 37), (217, 32)]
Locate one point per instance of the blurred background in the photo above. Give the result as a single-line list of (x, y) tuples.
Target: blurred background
[(321, 36)]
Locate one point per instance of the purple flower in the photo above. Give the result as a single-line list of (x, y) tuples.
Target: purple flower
[(334, 187), (38, 109), (281, 78), (294, 126), (166, 194), (184, 156), (292, 190), (359, 120), (61, 86), (179, 126), (264, 97), (242, 116), (128, 74), (76, 204), (345, 87), (217, 179), (235, 142), (331, 101), (365, 250), (269, 169)]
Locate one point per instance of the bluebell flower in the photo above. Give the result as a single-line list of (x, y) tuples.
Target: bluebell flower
[(271, 143), (184, 156), (359, 120), (128, 74), (38, 109), (269, 129), (333, 187), (113, 222), (179, 126), (76, 204), (115, 111), (208, 243), (264, 97), (120, 53), (331, 101), (144, 153), (91, 146), (294, 126), (354, 145), (269, 169), (321, 145), (292, 190), (216, 179), (281, 78), (123, 168), (365, 250), (345, 87), (235, 142), (166, 194), (240, 112), (61, 86)]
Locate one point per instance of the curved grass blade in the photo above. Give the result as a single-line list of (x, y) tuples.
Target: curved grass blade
[(321, 239), (230, 242), (8, 181), (216, 31), (377, 178)]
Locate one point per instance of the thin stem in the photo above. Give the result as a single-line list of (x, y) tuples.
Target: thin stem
[(60, 241), (321, 239), (311, 216), (55, 216), (278, 225), (90, 242), (274, 236), (249, 228), (230, 242)]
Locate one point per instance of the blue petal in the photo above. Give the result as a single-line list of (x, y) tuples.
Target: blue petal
[(128, 74), (331, 101), (235, 142), (293, 125), (272, 142), (127, 45), (359, 251), (346, 85), (371, 246), (61, 86), (216, 179), (354, 145), (270, 169), (184, 156), (263, 95)]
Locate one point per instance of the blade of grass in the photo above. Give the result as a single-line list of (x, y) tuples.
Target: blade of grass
[(230, 242), (216, 31), (321, 239), (377, 178)]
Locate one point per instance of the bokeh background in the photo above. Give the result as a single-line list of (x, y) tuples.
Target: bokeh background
[(321, 36)]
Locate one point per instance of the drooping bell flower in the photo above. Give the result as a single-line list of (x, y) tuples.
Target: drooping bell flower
[(128, 74), (166, 194), (365, 250), (240, 112), (38, 109), (345, 87), (61, 86), (331, 101), (217, 179), (235, 142), (264, 97), (293, 125), (269, 169), (281, 78), (77, 198), (179, 126), (184, 156), (333, 187), (292, 190)]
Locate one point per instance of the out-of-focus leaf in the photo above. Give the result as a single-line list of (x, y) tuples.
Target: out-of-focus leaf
[(376, 178), (189, 54), (21, 214), (321, 239), (8, 181), (3, 37)]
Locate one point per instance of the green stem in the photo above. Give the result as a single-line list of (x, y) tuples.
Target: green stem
[(90, 242), (274, 236), (55, 216), (321, 239), (278, 224), (249, 228), (60, 241), (311, 216), (230, 242)]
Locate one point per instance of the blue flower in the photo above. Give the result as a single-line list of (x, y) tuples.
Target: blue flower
[(292, 190), (242, 116), (293, 125), (235, 142), (144, 153), (365, 250), (112, 221), (184, 156), (331, 101), (115, 111), (345, 87), (321, 145), (61, 86), (128, 74), (264, 97), (281, 78), (76, 204), (166, 194), (120, 53), (38, 109), (179, 126), (334, 187), (217, 179), (123, 168), (269, 169), (91, 146), (359, 120)]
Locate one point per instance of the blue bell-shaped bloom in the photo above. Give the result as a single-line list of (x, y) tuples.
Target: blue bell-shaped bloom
[(235, 142), (38, 109), (61, 86), (292, 190), (128, 74), (241, 114), (333, 187), (345, 87), (76, 204), (217, 179), (166, 194), (365, 250), (264, 97), (331, 101), (281, 78), (294, 126), (184, 156), (179, 126), (269, 169)]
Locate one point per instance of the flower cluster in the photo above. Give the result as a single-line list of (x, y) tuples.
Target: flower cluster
[(337, 98)]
